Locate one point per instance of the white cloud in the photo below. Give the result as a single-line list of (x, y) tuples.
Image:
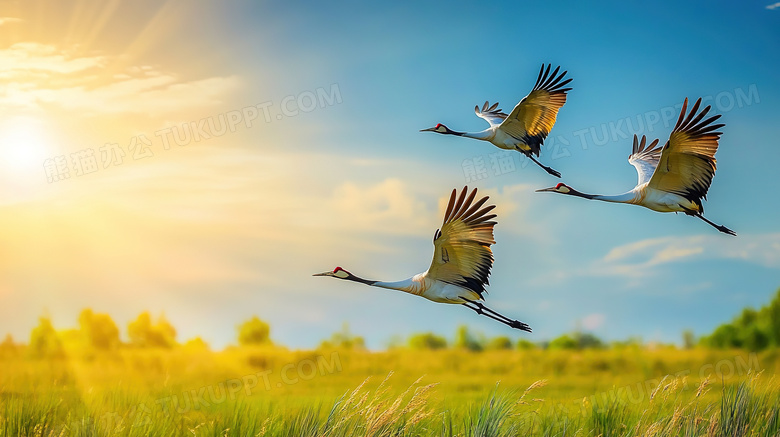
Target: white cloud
[(773, 6), (593, 321), (149, 95), (7, 20), (34, 74), (24, 57), (639, 258), (388, 207), (516, 215)]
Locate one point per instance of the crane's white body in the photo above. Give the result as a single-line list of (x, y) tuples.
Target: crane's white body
[(663, 201), (496, 136), (431, 289), (654, 199)]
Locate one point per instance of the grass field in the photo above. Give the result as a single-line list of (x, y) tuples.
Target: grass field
[(273, 391)]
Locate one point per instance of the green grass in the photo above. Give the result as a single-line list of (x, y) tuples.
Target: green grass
[(176, 392)]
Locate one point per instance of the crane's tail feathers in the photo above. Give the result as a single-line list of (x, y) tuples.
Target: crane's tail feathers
[(721, 228)]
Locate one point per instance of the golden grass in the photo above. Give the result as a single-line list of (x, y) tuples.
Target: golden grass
[(272, 391)]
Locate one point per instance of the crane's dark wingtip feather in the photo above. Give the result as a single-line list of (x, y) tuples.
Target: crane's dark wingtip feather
[(477, 220), (702, 132)]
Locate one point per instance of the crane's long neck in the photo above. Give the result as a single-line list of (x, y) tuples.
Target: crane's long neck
[(619, 198), (405, 285), (485, 135), (354, 278), (414, 285)]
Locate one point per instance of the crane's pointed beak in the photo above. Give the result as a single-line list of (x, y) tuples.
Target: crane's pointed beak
[(430, 129), (323, 274), (546, 189)]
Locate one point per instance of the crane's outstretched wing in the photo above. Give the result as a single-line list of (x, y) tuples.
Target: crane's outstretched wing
[(462, 254), (533, 118), (490, 113), (687, 162), (644, 158)]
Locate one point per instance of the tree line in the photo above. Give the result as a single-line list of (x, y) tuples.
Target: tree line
[(99, 332), (752, 329)]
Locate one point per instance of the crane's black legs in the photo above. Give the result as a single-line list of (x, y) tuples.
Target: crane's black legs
[(555, 173), (512, 323), (479, 308), (721, 228)]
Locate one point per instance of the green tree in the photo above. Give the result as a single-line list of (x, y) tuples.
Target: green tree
[(630, 342), (577, 340), (586, 340), (755, 339), (197, 343), (524, 344), (143, 333), (466, 340), (8, 341), (8, 347), (501, 342), (427, 340), (563, 342), (773, 316), (753, 329), (99, 331), (44, 341), (254, 332), (748, 318), (689, 339), (343, 340), (724, 337)]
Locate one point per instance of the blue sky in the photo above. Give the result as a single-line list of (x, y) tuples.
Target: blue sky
[(215, 231)]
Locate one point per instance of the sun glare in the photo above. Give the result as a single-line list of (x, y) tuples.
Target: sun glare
[(23, 145)]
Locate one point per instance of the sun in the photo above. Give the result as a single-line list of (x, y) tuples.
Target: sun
[(24, 145)]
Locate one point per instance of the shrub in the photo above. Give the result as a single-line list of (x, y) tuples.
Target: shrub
[(465, 340), (344, 340), (427, 340), (99, 331), (755, 330), (44, 341), (254, 332), (501, 342), (144, 334), (524, 344), (563, 342)]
